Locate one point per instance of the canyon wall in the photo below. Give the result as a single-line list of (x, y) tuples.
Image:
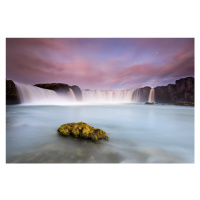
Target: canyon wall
[(181, 91)]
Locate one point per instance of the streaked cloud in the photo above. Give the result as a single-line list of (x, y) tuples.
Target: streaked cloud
[(100, 63)]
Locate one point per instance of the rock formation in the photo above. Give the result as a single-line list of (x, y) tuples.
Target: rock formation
[(82, 130), (62, 88), (77, 91), (144, 93), (57, 87), (185, 89), (165, 94), (181, 92), (12, 96)]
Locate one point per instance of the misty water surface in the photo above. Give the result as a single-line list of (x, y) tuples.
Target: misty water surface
[(137, 133)]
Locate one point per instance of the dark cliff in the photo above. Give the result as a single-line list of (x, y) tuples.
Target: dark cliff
[(181, 91), (62, 88), (57, 87), (166, 94), (12, 96), (144, 93)]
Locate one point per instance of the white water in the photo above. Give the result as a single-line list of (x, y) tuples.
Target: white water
[(38, 96), (151, 96), (34, 95), (102, 96)]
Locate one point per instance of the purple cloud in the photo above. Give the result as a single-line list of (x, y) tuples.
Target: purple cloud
[(100, 63)]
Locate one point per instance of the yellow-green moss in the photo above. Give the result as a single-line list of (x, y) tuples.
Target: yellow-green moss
[(185, 104), (82, 130)]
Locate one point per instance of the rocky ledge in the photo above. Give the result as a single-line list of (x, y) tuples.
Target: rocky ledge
[(179, 93), (185, 104), (82, 130), (62, 88)]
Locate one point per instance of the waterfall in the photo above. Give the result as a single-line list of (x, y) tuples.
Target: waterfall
[(136, 95), (107, 96), (151, 96), (38, 96), (34, 95), (71, 95)]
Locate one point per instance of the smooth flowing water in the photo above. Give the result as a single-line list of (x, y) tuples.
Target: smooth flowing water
[(107, 96), (137, 133), (136, 95), (151, 96), (29, 94)]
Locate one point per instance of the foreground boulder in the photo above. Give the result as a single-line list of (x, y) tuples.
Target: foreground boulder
[(82, 130)]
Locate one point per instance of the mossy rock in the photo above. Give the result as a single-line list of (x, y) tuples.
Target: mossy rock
[(82, 130)]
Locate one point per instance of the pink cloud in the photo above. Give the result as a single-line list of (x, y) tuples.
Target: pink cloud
[(85, 62)]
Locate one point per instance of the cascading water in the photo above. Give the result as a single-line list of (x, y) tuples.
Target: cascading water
[(151, 96), (107, 96), (70, 95), (136, 95), (34, 95)]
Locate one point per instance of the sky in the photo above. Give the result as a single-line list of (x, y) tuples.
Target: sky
[(100, 63)]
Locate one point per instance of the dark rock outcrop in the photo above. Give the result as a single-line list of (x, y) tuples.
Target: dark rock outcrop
[(141, 94), (185, 104), (12, 96), (144, 93), (166, 94), (62, 88), (77, 91), (181, 92), (150, 103), (57, 87), (185, 89)]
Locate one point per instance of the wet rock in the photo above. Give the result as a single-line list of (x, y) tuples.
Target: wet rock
[(82, 130)]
